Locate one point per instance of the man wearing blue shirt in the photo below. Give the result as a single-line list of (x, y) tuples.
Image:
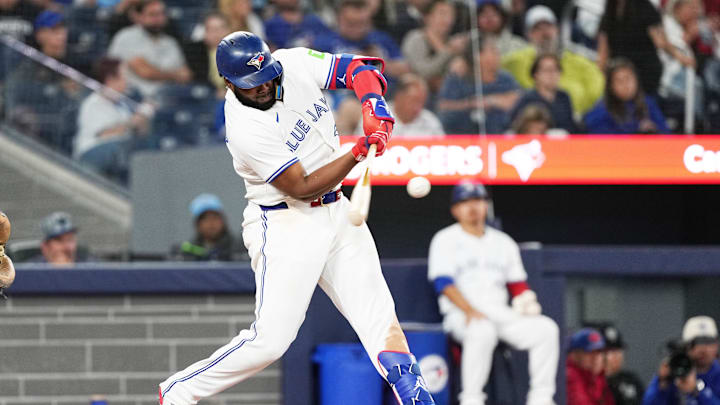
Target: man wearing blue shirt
[(292, 26), (356, 35), (701, 385)]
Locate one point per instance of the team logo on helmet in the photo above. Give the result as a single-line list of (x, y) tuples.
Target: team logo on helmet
[(257, 60)]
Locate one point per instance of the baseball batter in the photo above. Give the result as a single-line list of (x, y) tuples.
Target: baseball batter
[(475, 269), (284, 144)]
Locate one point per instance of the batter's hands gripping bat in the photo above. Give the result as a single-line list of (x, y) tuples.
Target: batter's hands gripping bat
[(360, 199), (7, 270)]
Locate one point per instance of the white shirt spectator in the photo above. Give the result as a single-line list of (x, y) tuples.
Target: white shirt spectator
[(97, 114), (162, 51)]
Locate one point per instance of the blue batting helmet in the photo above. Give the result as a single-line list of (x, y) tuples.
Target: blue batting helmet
[(467, 190), (245, 60)]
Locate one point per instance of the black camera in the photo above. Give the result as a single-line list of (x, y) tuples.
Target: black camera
[(678, 360)]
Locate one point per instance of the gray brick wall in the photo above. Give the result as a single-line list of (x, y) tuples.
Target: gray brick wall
[(63, 350)]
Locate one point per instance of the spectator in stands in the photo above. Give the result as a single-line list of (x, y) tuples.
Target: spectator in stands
[(106, 124), (681, 23), (493, 20), (213, 240), (200, 55), (580, 77), (240, 17), (546, 71), (626, 109), (153, 57), (626, 386), (429, 49), (355, 34), (291, 26), (457, 102), (516, 17), (59, 246), (16, 17), (695, 379), (46, 95), (633, 29), (533, 119), (586, 382), (397, 18), (408, 107)]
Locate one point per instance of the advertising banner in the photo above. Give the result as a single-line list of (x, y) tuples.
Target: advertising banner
[(581, 159)]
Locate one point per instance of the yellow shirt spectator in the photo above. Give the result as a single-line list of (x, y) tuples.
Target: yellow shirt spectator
[(581, 78)]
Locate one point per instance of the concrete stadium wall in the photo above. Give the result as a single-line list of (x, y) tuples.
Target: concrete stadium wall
[(61, 350)]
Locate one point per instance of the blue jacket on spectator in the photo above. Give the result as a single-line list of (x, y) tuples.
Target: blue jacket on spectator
[(283, 34), (560, 109), (334, 43), (710, 395), (455, 87), (600, 121)]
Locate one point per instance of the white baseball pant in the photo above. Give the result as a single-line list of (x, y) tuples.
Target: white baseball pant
[(293, 250), (537, 334)]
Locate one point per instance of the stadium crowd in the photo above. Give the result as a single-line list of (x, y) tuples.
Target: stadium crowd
[(623, 70)]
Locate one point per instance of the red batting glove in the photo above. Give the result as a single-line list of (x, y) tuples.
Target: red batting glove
[(361, 148), (377, 125)]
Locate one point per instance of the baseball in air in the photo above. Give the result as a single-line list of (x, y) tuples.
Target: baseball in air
[(418, 187)]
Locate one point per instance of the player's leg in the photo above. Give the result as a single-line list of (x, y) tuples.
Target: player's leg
[(286, 273), (354, 282), (540, 336), (478, 338)]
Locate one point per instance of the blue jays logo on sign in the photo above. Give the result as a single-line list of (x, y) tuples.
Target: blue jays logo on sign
[(256, 60)]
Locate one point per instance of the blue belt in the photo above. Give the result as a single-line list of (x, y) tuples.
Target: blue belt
[(328, 198)]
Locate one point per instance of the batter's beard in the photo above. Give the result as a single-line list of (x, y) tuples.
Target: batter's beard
[(254, 104)]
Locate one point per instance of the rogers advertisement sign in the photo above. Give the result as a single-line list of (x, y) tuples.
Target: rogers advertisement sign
[(538, 160)]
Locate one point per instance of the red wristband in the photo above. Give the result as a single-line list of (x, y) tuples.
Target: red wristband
[(517, 288)]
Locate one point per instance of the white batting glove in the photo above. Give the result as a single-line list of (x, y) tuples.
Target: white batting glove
[(526, 303)]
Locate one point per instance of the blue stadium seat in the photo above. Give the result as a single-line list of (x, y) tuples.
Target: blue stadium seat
[(188, 125), (181, 94)]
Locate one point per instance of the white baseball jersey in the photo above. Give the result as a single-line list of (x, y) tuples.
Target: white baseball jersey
[(300, 128), (480, 266), (294, 247)]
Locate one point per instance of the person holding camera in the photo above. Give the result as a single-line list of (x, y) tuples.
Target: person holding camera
[(691, 375)]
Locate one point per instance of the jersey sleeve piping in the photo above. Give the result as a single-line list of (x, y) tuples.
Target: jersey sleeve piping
[(281, 169), (330, 72)]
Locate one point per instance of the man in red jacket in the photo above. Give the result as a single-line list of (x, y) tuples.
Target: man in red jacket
[(586, 383)]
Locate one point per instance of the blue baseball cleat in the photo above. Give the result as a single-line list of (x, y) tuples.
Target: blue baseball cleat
[(405, 378)]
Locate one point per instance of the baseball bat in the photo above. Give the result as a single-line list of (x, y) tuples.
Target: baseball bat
[(360, 199)]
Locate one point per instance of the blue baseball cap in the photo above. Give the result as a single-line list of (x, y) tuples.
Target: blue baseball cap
[(203, 203), (495, 3), (57, 224), (48, 19), (587, 340), (467, 190)]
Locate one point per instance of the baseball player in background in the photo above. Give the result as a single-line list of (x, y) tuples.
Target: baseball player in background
[(284, 144), (475, 270)]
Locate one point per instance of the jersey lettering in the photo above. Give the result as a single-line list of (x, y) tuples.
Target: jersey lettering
[(293, 146), (319, 110), (298, 132)]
